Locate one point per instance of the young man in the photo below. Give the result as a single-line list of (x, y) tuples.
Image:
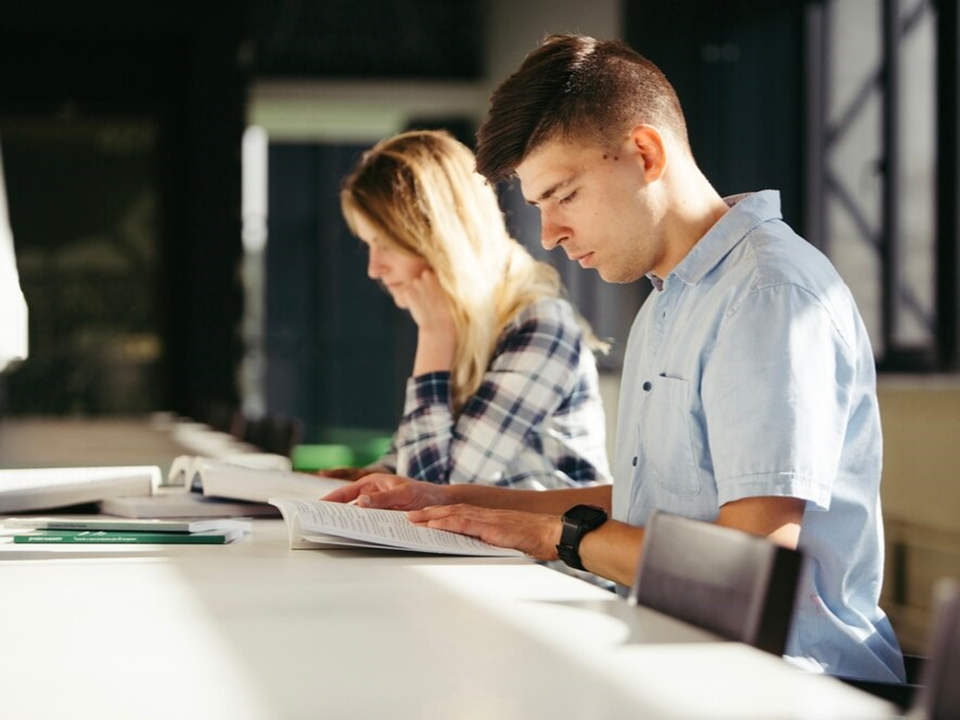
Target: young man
[(748, 395)]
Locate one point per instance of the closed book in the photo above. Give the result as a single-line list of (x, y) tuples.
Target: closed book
[(117, 524), (117, 537), (45, 488), (179, 503)]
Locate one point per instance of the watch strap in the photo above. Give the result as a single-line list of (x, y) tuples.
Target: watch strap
[(577, 522)]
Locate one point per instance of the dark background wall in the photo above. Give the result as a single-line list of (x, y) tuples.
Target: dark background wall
[(170, 68), (338, 350), (158, 327), (738, 67)]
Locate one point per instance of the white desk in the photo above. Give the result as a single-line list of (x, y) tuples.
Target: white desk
[(255, 631)]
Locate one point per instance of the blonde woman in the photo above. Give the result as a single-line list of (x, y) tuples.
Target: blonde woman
[(504, 388)]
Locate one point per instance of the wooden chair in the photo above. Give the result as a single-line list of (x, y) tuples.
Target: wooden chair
[(739, 586)]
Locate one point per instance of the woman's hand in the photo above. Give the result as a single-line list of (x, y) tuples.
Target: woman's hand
[(436, 332), (428, 303), (391, 492)]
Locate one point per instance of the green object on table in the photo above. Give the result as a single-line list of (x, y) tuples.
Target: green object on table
[(313, 457), (371, 450), (341, 447), (120, 537)]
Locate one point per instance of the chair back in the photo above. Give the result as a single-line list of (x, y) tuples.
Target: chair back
[(939, 695), (739, 586)]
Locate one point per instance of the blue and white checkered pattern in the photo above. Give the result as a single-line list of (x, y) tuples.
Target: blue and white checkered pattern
[(535, 422)]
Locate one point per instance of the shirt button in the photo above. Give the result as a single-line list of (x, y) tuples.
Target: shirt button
[(648, 386), (634, 460)]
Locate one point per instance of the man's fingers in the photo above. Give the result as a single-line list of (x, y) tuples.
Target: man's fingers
[(463, 519), (464, 525), (438, 512), (398, 498), (344, 494)]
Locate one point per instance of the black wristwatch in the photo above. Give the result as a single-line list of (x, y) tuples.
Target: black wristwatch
[(577, 522)]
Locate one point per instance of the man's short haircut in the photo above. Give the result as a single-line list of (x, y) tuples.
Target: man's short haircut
[(575, 87)]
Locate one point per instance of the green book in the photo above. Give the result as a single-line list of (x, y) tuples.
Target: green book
[(116, 537)]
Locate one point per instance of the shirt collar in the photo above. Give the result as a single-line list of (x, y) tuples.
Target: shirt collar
[(746, 212)]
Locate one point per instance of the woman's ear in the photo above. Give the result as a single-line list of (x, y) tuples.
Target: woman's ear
[(650, 149)]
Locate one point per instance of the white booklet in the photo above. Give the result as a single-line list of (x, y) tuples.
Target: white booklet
[(320, 524), (44, 488)]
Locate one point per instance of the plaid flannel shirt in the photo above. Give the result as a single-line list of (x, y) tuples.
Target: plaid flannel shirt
[(535, 422)]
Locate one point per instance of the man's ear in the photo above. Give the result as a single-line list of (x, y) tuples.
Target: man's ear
[(650, 149)]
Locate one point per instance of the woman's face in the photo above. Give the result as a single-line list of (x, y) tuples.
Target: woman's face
[(386, 264)]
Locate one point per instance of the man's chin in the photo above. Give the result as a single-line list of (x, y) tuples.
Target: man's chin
[(607, 276), (615, 278)]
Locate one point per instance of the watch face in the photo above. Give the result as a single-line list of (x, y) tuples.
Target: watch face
[(586, 514)]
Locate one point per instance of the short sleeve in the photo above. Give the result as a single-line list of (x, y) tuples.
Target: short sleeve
[(776, 394)]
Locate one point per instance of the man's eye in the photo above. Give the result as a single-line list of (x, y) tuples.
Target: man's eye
[(567, 198)]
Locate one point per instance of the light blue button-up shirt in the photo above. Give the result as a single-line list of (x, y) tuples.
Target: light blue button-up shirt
[(750, 373)]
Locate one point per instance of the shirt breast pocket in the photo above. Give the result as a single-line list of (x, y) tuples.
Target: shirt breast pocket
[(665, 438)]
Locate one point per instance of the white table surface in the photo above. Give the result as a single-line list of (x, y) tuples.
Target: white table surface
[(253, 630)]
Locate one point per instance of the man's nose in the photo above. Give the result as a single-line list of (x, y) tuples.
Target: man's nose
[(552, 233)]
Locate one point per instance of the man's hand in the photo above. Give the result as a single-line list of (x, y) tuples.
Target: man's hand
[(391, 492), (535, 534)]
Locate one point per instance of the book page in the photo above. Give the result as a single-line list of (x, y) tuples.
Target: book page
[(380, 527)]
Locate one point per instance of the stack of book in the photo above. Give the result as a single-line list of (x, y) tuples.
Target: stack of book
[(63, 530)]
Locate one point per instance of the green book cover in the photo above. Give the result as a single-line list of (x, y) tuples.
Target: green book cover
[(212, 537)]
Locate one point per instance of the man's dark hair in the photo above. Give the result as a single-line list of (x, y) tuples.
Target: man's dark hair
[(576, 87)]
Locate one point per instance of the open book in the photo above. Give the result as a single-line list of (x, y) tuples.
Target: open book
[(217, 478), (319, 524), (184, 468), (200, 486), (45, 488)]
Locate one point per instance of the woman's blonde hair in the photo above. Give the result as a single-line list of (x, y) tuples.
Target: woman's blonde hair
[(420, 192)]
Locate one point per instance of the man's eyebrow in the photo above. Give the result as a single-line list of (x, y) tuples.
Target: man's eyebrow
[(548, 193)]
